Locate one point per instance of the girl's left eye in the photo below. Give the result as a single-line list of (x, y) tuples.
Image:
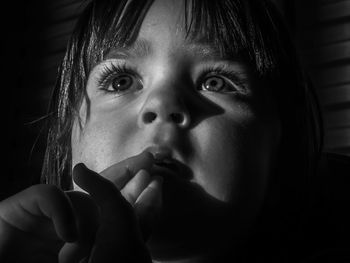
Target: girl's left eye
[(213, 83), (218, 83), (222, 79)]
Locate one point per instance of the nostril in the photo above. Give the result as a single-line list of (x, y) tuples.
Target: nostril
[(149, 117), (177, 117)]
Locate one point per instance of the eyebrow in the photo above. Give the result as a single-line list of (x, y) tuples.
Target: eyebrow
[(142, 48)]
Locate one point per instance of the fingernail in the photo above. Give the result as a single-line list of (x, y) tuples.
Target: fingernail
[(157, 181)]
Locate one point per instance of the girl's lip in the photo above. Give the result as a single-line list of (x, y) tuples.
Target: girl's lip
[(161, 157), (166, 164), (164, 170), (161, 153)]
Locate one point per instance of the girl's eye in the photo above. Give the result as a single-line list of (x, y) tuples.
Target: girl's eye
[(218, 84), (222, 79), (213, 84), (121, 83), (119, 79)]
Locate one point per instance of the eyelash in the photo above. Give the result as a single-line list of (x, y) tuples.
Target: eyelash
[(109, 72), (222, 71), (112, 70)]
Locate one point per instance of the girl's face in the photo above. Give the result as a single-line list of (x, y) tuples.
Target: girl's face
[(182, 98)]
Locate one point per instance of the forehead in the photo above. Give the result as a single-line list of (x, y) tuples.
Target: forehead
[(175, 6), (164, 25), (143, 48), (166, 13), (164, 28)]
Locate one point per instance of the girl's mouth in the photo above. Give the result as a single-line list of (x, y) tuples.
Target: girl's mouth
[(163, 159), (165, 165)]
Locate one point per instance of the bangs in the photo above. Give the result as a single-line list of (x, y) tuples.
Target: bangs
[(106, 24), (236, 27)]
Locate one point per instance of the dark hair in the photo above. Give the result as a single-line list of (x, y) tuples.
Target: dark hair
[(253, 29)]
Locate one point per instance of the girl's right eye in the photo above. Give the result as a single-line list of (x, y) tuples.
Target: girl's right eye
[(121, 83), (119, 79)]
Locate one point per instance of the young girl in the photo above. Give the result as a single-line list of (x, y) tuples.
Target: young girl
[(180, 131)]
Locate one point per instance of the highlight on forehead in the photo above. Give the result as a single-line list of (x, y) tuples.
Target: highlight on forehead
[(235, 27)]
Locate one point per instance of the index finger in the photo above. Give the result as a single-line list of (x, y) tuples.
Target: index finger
[(120, 173)]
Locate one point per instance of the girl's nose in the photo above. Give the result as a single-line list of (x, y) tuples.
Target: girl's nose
[(164, 105)]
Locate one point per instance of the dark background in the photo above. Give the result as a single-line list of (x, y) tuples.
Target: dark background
[(33, 39), (34, 35)]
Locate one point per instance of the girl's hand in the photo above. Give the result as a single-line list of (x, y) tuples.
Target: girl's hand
[(37, 222), (34, 224), (118, 235), (132, 177)]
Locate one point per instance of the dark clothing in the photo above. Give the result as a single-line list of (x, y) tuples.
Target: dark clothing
[(323, 231), (328, 226)]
